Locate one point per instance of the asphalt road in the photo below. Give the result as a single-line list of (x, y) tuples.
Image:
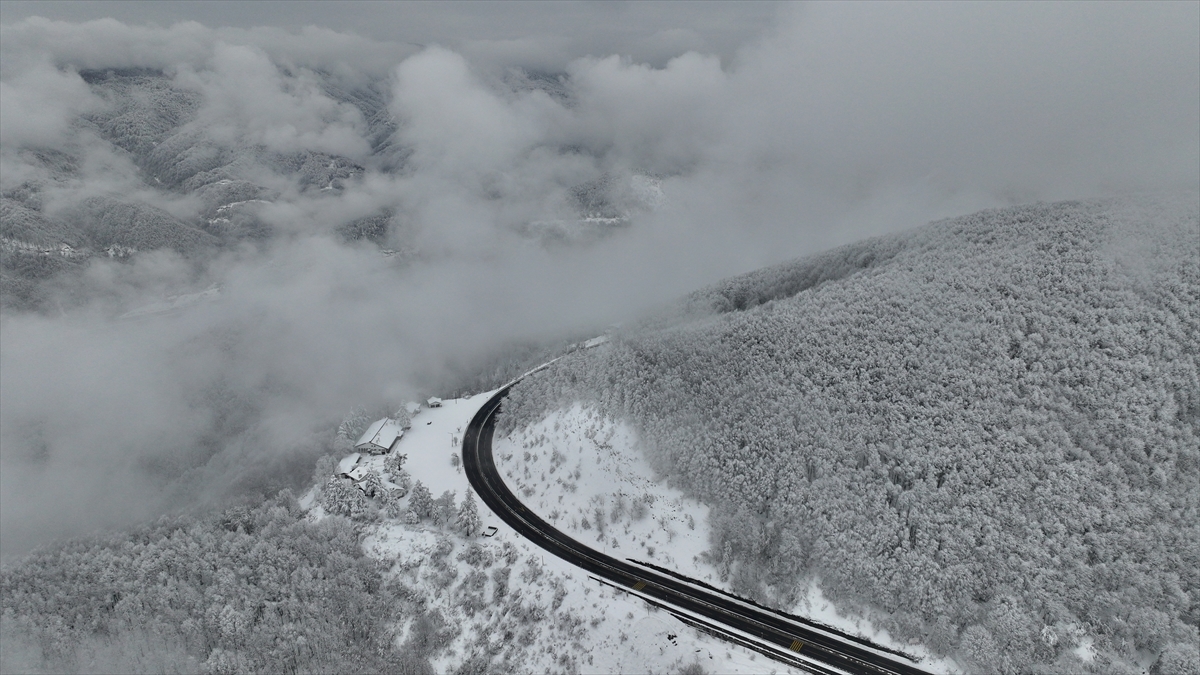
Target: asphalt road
[(710, 610)]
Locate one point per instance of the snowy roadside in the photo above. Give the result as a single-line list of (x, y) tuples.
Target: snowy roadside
[(505, 600), (584, 474)]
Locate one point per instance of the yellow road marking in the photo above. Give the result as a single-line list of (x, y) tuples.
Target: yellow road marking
[(639, 585), (796, 645)]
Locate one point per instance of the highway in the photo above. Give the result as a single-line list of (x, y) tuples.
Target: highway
[(782, 637)]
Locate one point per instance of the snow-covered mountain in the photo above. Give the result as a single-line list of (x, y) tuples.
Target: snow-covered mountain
[(983, 433), (974, 441), (201, 182)]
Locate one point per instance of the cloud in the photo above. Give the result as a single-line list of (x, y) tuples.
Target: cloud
[(1049, 101), (660, 120), (108, 43), (38, 104), (839, 122), (248, 101)]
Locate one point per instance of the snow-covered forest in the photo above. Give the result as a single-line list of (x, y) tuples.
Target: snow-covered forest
[(985, 431), (247, 590), (225, 225)]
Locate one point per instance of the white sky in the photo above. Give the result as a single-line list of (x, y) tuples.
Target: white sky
[(554, 31)]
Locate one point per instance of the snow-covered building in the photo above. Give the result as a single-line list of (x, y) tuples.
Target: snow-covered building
[(434, 402), (380, 436), (348, 463)]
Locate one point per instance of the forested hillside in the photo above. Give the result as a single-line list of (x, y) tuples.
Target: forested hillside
[(250, 590), (986, 430)]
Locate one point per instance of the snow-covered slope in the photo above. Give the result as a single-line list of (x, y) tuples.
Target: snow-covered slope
[(984, 433), (587, 474), (504, 603)]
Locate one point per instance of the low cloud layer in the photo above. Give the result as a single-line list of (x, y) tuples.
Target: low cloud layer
[(523, 189)]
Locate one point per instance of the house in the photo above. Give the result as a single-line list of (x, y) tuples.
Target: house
[(348, 463), (434, 402), (380, 437)]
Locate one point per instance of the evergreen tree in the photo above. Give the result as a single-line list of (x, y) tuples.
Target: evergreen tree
[(468, 516), (353, 425), (420, 501)]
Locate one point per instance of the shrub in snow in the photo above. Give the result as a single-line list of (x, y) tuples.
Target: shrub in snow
[(476, 555), (470, 593), (533, 569), (500, 577), (442, 549), (510, 553), (639, 510)]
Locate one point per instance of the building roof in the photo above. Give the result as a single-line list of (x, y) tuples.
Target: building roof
[(382, 433), (348, 462)]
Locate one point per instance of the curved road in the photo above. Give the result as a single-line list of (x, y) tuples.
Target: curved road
[(711, 610)]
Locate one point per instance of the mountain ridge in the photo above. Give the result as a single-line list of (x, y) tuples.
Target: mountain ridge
[(990, 436)]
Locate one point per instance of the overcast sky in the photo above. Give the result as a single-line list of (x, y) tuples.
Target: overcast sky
[(767, 131), (541, 33)]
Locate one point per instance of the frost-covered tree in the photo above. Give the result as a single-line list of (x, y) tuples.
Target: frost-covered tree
[(341, 498), (468, 516), (1177, 659), (325, 467), (394, 462), (353, 424), (391, 501), (258, 589), (394, 465), (443, 510), (371, 485), (402, 417), (420, 501)]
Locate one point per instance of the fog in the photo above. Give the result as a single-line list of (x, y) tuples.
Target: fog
[(731, 145)]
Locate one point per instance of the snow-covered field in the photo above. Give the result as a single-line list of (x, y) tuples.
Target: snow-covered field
[(506, 599), (583, 474)]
